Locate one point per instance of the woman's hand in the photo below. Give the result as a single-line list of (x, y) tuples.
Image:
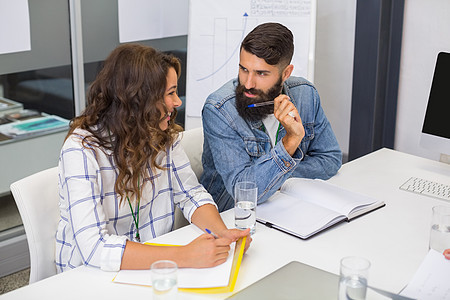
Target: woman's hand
[(206, 251), (235, 234)]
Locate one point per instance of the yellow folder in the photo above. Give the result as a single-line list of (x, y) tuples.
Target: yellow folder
[(236, 263)]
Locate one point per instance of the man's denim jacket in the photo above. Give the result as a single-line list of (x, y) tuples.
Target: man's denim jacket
[(236, 150)]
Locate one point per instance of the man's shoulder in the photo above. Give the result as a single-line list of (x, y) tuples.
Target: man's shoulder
[(294, 81), (223, 94), (301, 90)]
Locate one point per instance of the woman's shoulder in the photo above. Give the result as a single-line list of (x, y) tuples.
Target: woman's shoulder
[(81, 139), (76, 137), (177, 140)]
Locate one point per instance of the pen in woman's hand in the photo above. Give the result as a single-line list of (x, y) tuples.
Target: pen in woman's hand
[(211, 233)]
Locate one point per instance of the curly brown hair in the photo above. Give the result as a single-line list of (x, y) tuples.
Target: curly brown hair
[(122, 114)]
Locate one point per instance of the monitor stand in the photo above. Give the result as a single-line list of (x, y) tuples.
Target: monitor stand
[(445, 158)]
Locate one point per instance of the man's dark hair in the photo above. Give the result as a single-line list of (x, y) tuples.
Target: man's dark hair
[(272, 42)]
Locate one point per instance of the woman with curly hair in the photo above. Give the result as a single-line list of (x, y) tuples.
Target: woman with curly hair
[(122, 170)]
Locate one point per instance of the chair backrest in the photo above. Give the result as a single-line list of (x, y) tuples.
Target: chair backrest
[(192, 142), (37, 199)]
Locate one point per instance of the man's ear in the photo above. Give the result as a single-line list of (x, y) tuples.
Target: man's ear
[(287, 72)]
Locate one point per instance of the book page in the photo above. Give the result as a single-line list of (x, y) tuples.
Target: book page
[(326, 195), (298, 217)]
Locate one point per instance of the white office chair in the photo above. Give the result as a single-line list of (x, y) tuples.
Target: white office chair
[(37, 199), (192, 142)]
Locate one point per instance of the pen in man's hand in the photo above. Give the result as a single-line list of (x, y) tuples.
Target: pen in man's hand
[(261, 104), (269, 103), (211, 233)]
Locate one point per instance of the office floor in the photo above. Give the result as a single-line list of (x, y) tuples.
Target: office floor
[(14, 281)]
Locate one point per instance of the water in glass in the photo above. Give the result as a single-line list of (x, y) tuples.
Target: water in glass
[(165, 288), (440, 237), (352, 288), (245, 215)]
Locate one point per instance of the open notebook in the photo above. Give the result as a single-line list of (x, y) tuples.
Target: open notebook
[(304, 207), (219, 279)]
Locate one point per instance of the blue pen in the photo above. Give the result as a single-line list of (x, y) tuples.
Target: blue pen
[(211, 233), (261, 104)]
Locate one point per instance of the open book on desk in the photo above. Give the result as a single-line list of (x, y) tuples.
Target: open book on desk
[(304, 207)]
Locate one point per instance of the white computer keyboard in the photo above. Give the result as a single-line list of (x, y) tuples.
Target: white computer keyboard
[(427, 188)]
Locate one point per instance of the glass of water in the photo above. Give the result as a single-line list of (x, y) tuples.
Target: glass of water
[(245, 195), (354, 274), (164, 279), (440, 228)]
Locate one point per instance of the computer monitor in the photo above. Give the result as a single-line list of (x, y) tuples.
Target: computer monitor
[(436, 125)]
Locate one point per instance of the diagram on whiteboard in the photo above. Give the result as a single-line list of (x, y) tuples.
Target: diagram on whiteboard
[(216, 30)]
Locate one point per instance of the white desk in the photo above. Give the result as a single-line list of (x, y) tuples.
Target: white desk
[(393, 238)]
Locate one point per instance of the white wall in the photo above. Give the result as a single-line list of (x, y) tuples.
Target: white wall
[(335, 40), (426, 32)]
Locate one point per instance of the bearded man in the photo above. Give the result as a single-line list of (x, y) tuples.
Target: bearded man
[(265, 126)]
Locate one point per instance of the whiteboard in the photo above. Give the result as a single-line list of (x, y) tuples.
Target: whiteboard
[(216, 30), (141, 20)]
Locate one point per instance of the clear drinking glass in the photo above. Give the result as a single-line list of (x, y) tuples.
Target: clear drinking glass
[(354, 274), (164, 279), (440, 228), (245, 196)]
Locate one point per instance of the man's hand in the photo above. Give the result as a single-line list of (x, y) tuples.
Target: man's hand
[(288, 116)]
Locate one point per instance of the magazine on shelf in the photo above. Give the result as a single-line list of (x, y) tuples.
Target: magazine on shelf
[(23, 114), (8, 106), (42, 124), (304, 207)]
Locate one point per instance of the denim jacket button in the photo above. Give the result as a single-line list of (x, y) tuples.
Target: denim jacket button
[(287, 164)]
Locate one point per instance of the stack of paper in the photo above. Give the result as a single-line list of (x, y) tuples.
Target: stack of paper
[(432, 279)]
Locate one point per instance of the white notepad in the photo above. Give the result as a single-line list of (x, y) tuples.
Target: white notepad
[(187, 277), (432, 280)]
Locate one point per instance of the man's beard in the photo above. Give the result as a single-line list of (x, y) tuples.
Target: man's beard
[(256, 113)]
